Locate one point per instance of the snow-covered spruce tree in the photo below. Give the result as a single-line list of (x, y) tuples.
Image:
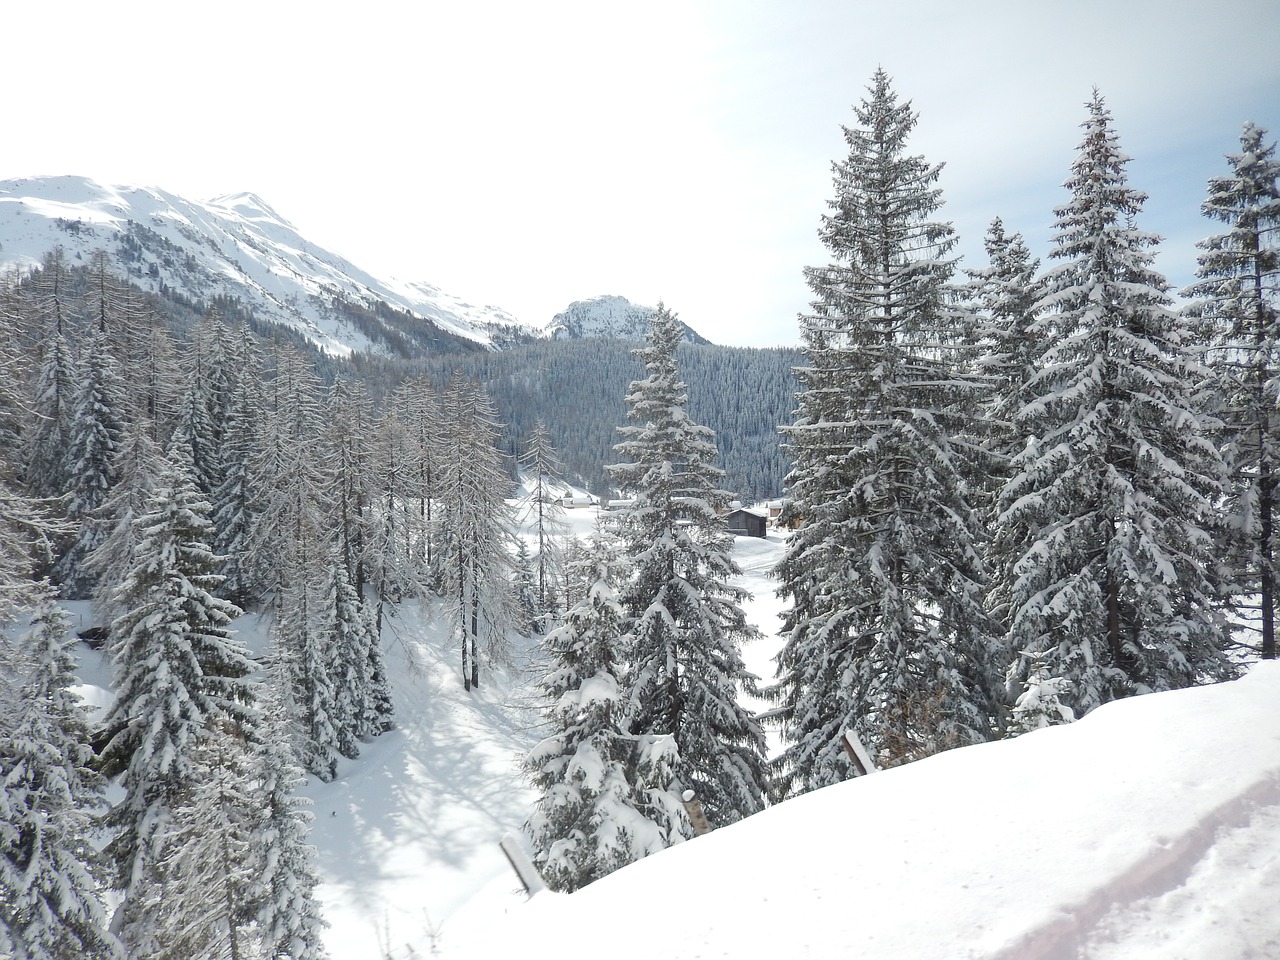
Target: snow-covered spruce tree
[(361, 700), (283, 893), (95, 439), (687, 624), (1003, 295), (475, 528), (545, 513), (595, 814), (50, 907), (1111, 577), (885, 633), (237, 408), (137, 467), (1239, 295), (178, 669), (198, 898), (47, 447)]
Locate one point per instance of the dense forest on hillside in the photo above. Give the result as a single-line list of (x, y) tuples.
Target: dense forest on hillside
[(577, 388)]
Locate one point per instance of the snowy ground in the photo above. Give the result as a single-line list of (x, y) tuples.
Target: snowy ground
[(1150, 829)]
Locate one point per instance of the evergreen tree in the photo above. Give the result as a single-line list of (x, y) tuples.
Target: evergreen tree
[(685, 670), (178, 670), (95, 440), (287, 913), (236, 406), (1239, 293), (50, 907), (391, 563), (1111, 578), (885, 633), (47, 458), (596, 813), (197, 899)]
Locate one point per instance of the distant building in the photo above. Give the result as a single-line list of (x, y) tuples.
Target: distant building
[(746, 523)]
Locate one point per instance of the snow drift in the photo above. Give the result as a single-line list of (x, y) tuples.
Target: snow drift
[(1126, 831)]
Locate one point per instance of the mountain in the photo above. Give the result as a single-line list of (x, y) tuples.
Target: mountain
[(609, 317), (239, 253)]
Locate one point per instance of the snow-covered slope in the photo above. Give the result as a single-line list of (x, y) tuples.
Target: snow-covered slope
[(235, 247), (1148, 829), (608, 317)]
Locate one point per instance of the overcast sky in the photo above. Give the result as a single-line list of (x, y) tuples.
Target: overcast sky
[(529, 154)]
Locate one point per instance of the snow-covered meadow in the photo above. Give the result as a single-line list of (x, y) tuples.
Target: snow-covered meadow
[(1151, 828)]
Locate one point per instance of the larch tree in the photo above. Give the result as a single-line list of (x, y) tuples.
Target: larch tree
[(885, 633), (1111, 578), (476, 535), (1238, 294), (544, 512), (685, 671), (606, 797), (50, 900)]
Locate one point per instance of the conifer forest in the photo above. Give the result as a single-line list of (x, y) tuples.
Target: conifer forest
[(1012, 491)]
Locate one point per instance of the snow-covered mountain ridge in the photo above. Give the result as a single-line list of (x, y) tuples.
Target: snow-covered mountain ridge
[(610, 317), (238, 249)]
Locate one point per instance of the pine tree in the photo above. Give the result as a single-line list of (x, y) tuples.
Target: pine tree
[(885, 633), (594, 814), (1239, 293), (685, 670), (1111, 576), (178, 670), (50, 906)]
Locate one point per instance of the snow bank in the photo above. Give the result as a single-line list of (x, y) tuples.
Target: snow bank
[(1062, 843)]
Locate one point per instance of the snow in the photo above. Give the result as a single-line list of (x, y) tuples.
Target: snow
[(235, 245), (1148, 829)]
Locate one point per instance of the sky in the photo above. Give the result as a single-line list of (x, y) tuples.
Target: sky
[(529, 155)]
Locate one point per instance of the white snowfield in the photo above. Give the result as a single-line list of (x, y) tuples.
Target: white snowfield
[(1150, 828)]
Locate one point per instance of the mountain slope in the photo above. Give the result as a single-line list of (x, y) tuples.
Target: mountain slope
[(238, 249)]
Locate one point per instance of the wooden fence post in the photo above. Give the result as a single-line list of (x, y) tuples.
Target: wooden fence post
[(529, 876), (862, 763)]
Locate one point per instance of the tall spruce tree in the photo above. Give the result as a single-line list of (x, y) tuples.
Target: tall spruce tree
[(885, 633), (687, 624), (178, 671), (1111, 575), (1239, 295), (606, 794), (50, 901)]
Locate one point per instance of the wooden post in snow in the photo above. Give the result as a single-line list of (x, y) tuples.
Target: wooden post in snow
[(529, 876), (858, 756), (693, 807)]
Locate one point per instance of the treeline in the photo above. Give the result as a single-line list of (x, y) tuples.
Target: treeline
[(176, 482), (1029, 491), (576, 387)]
